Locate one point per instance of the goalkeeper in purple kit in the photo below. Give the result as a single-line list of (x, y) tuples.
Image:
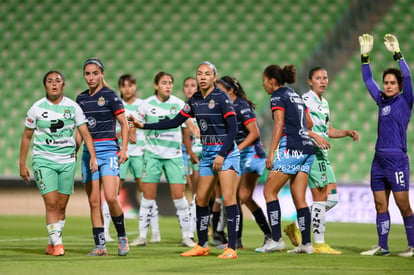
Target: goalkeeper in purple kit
[(390, 166)]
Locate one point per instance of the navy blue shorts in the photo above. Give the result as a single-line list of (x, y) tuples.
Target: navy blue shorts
[(390, 171)]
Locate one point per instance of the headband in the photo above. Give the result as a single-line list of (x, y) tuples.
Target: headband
[(94, 61)]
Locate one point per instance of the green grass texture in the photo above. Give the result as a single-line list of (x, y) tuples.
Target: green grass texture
[(23, 240)]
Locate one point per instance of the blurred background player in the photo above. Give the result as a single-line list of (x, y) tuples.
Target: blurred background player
[(390, 166), (322, 180), (290, 157), (103, 108), (163, 153), (192, 155), (52, 120), (136, 141), (252, 154)]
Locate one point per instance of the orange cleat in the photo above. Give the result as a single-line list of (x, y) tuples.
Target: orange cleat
[(50, 249), (228, 254), (197, 251), (59, 251)]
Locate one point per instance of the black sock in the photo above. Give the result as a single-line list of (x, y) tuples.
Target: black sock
[(215, 220), (273, 212), (119, 225), (202, 224), (240, 231), (262, 222), (98, 236), (233, 220), (304, 222)]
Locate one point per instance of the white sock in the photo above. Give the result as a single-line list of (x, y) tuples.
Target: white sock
[(331, 201), (193, 218), (145, 216), (318, 221), (223, 217), (155, 227), (62, 224), (106, 216), (183, 216), (55, 233)]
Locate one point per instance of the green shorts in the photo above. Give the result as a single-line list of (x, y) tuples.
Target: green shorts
[(133, 164), (321, 173), (51, 176), (173, 170)]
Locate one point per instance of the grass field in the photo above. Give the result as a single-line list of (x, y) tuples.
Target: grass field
[(23, 240)]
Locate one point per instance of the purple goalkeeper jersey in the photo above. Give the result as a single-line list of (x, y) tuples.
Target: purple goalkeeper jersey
[(393, 113)]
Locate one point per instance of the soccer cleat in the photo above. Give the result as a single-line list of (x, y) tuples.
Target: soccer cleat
[(108, 238), (323, 248), (140, 241), (123, 247), (155, 237), (188, 242), (219, 238), (197, 251), (271, 245), (239, 244), (228, 254), (376, 251), (50, 249), (59, 250), (98, 251), (292, 231), (409, 252), (303, 248)]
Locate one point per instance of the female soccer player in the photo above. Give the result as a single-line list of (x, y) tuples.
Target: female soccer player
[(163, 153), (136, 142), (322, 180), (294, 156), (192, 155), (390, 166), (252, 154), (102, 107), (53, 120), (220, 157)]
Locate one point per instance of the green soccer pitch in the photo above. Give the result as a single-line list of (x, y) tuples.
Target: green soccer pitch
[(23, 241)]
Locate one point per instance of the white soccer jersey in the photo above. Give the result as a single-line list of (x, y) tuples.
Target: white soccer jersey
[(136, 149), (54, 127), (164, 144), (319, 112)]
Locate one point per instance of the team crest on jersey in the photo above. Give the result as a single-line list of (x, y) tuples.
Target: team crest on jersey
[(173, 110), (67, 114), (386, 110), (101, 101), (211, 104), (30, 120), (42, 186), (323, 178), (187, 108)]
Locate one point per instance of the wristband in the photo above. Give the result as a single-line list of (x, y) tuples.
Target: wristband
[(398, 56), (365, 58)]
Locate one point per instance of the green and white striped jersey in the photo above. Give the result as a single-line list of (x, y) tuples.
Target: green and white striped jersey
[(136, 149), (163, 144), (54, 126), (319, 112)]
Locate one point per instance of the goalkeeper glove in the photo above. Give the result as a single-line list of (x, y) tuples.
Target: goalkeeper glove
[(391, 43), (366, 41)]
